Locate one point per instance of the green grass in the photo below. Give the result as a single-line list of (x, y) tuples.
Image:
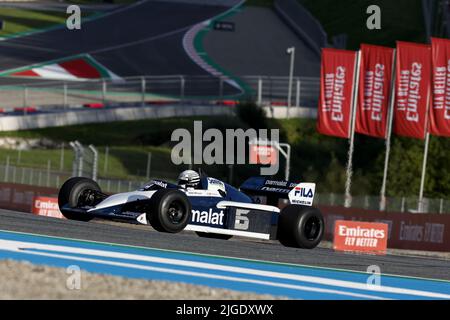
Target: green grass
[(314, 157), (18, 21), (129, 143), (400, 20)]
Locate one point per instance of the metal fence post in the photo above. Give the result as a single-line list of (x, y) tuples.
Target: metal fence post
[(80, 149), (104, 89), (260, 88), (105, 165), (403, 205), (297, 100), (149, 162), (182, 88), (25, 99), (14, 174), (7, 169), (22, 178), (441, 206), (75, 161), (143, 88), (94, 162), (65, 95)]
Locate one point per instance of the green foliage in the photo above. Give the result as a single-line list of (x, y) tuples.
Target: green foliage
[(400, 20), (252, 115)]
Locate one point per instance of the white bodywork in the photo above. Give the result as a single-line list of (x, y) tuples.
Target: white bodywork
[(121, 198), (255, 206)]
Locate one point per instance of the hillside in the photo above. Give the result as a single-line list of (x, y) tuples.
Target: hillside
[(314, 157)]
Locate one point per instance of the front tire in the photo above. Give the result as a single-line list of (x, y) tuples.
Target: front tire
[(70, 194), (170, 211), (300, 227)]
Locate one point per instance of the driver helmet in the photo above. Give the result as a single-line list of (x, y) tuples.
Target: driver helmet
[(189, 179)]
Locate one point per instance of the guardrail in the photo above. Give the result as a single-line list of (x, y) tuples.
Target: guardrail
[(19, 96)]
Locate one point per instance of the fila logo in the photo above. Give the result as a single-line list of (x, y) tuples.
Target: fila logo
[(303, 192)]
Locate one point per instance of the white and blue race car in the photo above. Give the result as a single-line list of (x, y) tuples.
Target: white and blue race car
[(208, 206)]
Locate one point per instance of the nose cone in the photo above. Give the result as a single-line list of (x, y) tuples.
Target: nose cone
[(122, 198)]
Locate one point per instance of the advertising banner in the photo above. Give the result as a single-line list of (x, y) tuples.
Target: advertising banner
[(46, 206), (260, 154), (440, 106), (336, 92), (413, 88), (374, 89), (430, 232), (357, 236)]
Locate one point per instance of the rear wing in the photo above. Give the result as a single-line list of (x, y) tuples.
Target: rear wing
[(268, 191)]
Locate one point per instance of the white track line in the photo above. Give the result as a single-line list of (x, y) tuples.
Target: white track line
[(21, 246), (199, 274)]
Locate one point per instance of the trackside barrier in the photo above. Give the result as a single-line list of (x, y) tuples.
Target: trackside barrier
[(21, 197), (46, 206), (412, 231)]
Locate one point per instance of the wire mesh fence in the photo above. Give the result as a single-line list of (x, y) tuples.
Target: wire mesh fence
[(55, 178)]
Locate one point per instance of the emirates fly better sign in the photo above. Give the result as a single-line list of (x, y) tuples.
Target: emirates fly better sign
[(357, 236)]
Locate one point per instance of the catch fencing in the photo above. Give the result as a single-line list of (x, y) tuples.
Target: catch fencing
[(266, 90), (54, 178)]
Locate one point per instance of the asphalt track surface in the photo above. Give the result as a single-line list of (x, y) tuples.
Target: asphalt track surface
[(140, 39), (423, 267)]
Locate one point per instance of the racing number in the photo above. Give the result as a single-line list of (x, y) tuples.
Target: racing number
[(242, 221)]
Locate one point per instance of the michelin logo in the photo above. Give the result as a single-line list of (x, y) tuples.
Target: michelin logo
[(208, 217), (302, 194)]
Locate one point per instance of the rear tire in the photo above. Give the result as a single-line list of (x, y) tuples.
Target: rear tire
[(300, 227), (170, 211), (214, 235), (69, 195)]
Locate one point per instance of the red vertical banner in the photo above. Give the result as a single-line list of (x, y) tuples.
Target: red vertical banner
[(375, 75), (336, 92), (440, 105), (413, 88)]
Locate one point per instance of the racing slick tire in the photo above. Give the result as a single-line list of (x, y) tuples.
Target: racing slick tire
[(300, 226), (70, 194), (170, 211), (214, 235)]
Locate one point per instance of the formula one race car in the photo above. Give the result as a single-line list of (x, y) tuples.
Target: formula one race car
[(208, 206)]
